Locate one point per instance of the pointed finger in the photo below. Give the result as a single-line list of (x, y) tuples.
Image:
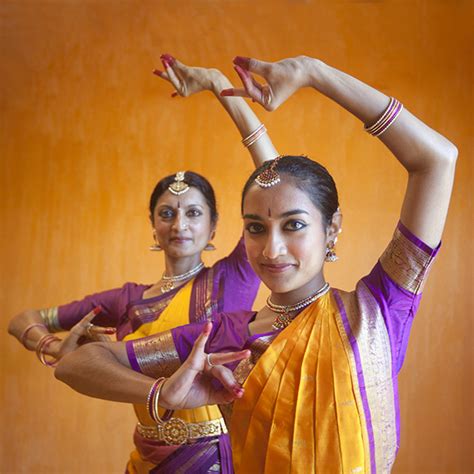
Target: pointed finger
[(171, 75), (221, 358), (161, 74), (252, 87), (234, 93), (251, 64), (200, 343)]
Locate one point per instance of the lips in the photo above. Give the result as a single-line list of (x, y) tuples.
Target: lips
[(180, 240), (277, 267)]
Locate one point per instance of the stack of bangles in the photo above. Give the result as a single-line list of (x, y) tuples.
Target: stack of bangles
[(387, 118), (254, 136), (43, 343), (173, 430)]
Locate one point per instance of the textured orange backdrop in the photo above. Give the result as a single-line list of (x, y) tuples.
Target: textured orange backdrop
[(86, 131)]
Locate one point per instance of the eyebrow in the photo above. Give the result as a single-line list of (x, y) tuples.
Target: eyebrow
[(284, 214), (189, 205)]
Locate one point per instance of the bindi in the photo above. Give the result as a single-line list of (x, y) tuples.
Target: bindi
[(269, 212)]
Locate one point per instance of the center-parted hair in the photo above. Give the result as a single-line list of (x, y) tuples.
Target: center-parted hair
[(192, 179), (308, 176)]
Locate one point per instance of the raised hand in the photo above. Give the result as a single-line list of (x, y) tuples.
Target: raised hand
[(283, 78), (186, 80), (83, 332), (191, 385)]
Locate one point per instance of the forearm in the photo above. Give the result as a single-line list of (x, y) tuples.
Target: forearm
[(245, 120), (96, 371), (418, 147)]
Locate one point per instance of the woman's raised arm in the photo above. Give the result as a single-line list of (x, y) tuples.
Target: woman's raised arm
[(189, 80), (428, 157)]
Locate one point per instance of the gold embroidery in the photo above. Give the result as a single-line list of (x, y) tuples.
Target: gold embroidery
[(368, 327), (405, 263), (50, 319), (157, 355)]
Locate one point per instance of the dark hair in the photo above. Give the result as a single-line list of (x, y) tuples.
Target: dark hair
[(191, 179), (309, 176)]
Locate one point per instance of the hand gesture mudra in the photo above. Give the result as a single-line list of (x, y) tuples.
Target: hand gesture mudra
[(283, 78), (186, 80), (82, 333), (191, 385)]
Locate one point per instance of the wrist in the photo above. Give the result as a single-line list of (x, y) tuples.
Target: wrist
[(311, 71), (218, 82)]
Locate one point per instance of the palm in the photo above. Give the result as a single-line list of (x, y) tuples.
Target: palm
[(191, 385)]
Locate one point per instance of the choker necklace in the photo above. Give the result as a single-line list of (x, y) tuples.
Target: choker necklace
[(284, 317), (170, 280)]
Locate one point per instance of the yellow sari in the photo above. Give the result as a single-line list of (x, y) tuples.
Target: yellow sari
[(176, 314), (301, 411)]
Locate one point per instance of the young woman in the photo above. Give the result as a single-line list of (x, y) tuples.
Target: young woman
[(318, 365), (183, 215)]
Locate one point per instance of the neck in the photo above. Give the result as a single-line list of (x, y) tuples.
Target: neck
[(295, 296), (178, 265)]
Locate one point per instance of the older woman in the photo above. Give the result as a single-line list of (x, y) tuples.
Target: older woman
[(183, 215), (318, 365)]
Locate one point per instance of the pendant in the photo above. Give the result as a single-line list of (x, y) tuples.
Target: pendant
[(167, 286)]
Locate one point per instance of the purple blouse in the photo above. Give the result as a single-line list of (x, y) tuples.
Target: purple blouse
[(229, 285)]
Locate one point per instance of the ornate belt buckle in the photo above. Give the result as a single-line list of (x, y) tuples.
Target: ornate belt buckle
[(174, 431)]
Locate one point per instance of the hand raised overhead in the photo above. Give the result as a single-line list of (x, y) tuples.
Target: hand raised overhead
[(283, 78)]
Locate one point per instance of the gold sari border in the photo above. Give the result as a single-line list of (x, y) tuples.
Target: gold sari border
[(50, 319), (407, 260), (155, 356)]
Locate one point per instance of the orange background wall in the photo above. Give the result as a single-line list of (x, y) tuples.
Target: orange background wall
[(87, 130)]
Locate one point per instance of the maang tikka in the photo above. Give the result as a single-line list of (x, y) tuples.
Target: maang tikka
[(269, 177), (178, 186)]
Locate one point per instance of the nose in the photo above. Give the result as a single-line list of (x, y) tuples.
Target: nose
[(180, 222), (274, 246)]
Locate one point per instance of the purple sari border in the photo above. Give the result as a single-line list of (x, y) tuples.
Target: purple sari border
[(418, 242), (132, 358), (360, 377)]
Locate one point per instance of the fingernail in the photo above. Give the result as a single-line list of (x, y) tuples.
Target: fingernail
[(110, 330), (97, 310), (174, 94), (157, 72), (227, 92), (168, 58), (242, 61), (166, 64)]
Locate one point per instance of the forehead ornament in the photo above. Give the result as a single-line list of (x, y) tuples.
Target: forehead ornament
[(269, 177), (178, 186)]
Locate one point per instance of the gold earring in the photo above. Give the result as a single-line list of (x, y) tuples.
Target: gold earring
[(210, 247), (330, 251), (155, 247)]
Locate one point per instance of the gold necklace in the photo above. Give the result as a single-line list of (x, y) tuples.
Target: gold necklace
[(171, 280), (284, 317)]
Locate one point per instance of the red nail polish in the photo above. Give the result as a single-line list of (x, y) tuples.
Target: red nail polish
[(242, 61), (97, 310), (227, 92), (168, 58), (157, 72), (110, 330), (166, 64), (174, 94)]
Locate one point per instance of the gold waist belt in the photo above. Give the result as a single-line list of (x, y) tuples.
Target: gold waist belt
[(177, 431)]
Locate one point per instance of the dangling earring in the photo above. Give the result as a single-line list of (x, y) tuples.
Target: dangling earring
[(155, 247), (210, 247), (330, 252)]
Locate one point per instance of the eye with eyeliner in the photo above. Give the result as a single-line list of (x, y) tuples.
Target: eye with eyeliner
[(254, 228), (294, 225)]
